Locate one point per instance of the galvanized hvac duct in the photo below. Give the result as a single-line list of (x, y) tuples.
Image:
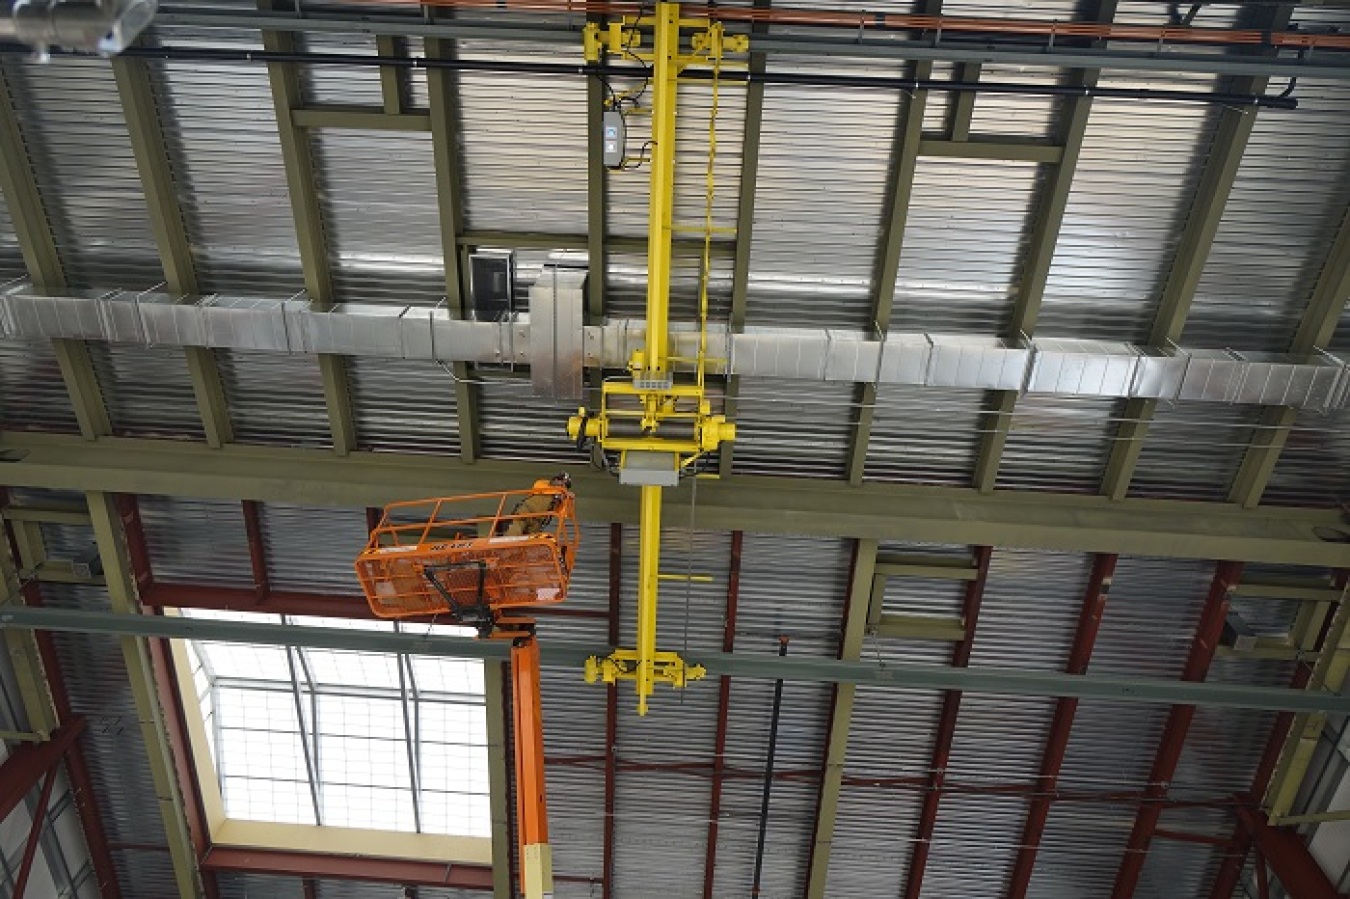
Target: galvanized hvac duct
[(1041, 366), (93, 26)]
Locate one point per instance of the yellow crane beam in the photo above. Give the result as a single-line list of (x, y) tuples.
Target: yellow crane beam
[(654, 424)]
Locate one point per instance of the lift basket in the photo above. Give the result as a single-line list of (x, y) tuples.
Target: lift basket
[(470, 556)]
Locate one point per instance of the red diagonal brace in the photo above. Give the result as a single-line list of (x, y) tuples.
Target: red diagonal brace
[(34, 834), (257, 551), (1206, 641), (27, 764), (1057, 743), (1288, 857), (942, 746), (1231, 869), (723, 710)]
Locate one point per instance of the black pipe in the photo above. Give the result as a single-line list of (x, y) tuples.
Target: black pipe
[(525, 67), (768, 773)]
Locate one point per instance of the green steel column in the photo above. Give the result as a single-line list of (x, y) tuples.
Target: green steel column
[(111, 539)]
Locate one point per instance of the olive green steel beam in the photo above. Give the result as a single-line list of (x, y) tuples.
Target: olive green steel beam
[(1009, 149), (495, 683), (1318, 324), (171, 237), (37, 243), (1329, 675), (758, 504), (443, 93), (752, 133), (307, 213), (57, 513), (919, 627), (24, 657), (392, 78), (360, 118), (962, 109), (904, 162), (1036, 267), (121, 583), (761, 666), (836, 750), (681, 247), (1197, 239), (86, 396)]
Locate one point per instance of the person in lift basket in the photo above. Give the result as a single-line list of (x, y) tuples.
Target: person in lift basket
[(533, 512)]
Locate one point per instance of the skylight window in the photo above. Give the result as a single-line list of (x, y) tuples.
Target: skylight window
[(344, 739)]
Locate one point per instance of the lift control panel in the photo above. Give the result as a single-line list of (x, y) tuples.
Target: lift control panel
[(614, 133)]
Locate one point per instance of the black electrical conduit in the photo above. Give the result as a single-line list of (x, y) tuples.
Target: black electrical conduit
[(525, 67), (768, 774)]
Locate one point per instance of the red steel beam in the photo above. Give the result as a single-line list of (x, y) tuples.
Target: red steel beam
[(27, 764), (723, 710), (1207, 634), (612, 713), (1057, 743), (942, 745), (1288, 856), (283, 863), (1225, 882), (35, 832), (257, 551)]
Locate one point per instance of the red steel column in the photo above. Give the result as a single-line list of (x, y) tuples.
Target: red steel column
[(723, 709), (1057, 743), (1206, 641), (942, 747)]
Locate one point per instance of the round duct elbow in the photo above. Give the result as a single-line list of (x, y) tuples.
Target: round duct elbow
[(106, 27)]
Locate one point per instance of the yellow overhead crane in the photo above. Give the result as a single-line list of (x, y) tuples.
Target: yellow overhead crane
[(658, 426)]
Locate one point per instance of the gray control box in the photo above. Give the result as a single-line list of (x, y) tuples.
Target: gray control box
[(614, 133)]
